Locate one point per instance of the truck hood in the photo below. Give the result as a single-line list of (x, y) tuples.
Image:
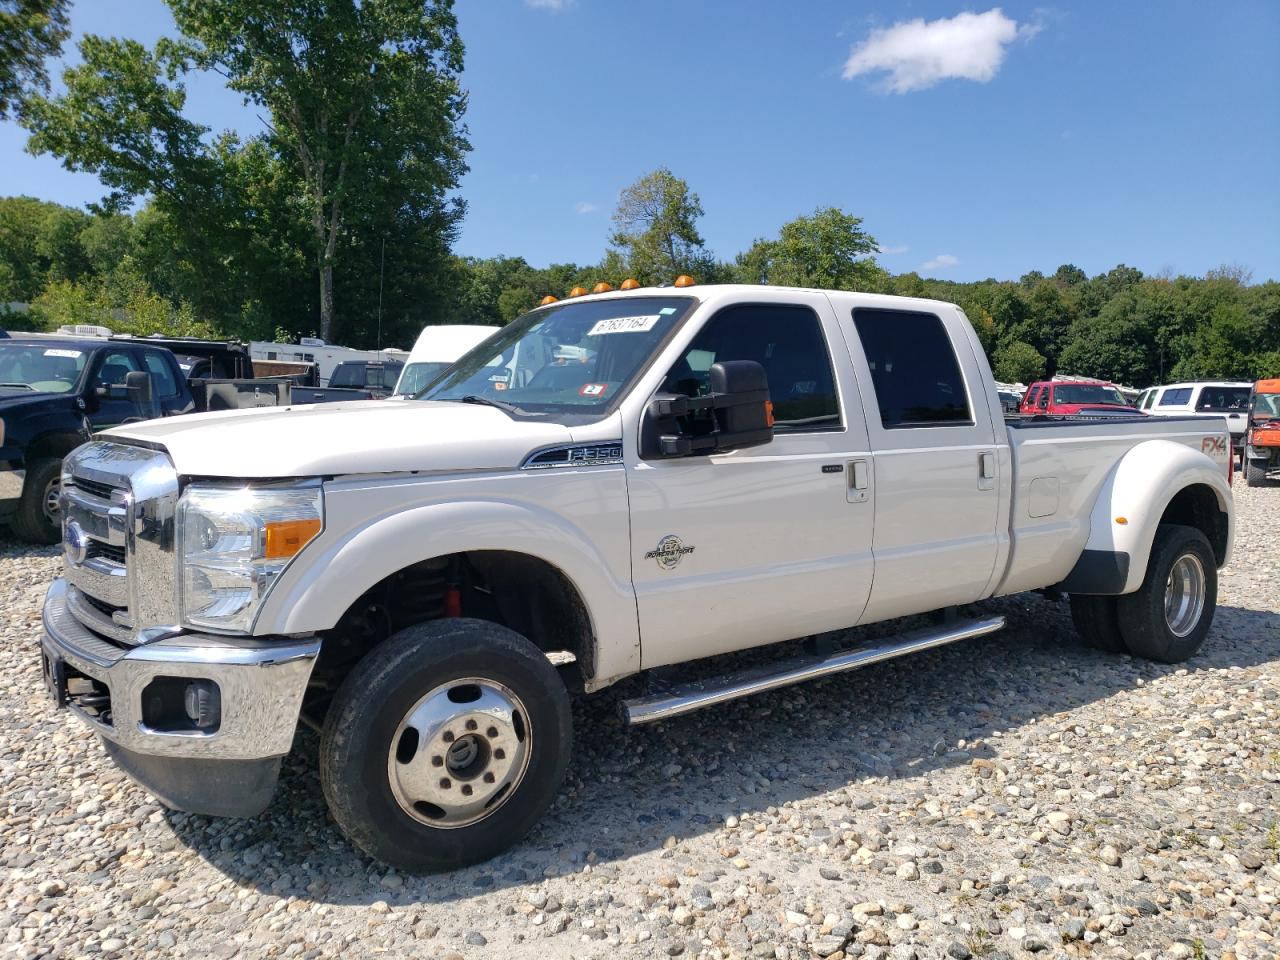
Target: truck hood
[(363, 436)]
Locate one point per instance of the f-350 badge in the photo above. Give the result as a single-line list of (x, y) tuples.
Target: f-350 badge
[(669, 552)]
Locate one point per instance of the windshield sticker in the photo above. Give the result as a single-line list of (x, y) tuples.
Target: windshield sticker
[(63, 353), (624, 325), (593, 389)]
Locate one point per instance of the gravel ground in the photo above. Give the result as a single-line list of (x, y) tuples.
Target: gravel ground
[(1013, 796)]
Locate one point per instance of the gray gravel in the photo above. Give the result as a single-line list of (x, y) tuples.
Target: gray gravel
[(1016, 796)]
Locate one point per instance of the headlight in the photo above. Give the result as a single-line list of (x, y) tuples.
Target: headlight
[(234, 543)]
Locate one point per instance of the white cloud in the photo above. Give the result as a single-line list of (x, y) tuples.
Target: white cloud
[(917, 54), (942, 261), (555, 6), (891, 248), (583, 207)]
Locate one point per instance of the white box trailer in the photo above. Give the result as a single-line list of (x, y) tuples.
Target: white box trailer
[(325, 356)]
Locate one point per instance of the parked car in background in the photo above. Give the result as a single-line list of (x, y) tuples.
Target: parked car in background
[(435, 350), (1207, 398), (55, 393), (203, 359), (1010, 400), (325, 356), (376, 376), (1262, 443), (1075, 398)]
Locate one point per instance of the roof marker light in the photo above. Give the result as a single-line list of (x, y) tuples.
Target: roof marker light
[(631, 283), (684, 280), (578, 292), (602, 287), (548, 299)]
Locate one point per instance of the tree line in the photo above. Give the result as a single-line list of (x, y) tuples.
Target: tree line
[(338, 220)]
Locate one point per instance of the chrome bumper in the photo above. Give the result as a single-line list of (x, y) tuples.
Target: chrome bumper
[(260, 683)]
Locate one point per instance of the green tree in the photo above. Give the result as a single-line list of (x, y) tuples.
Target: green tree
[(359, 94), (829, 250), (656, 228), (31, 31), (1019, 362)]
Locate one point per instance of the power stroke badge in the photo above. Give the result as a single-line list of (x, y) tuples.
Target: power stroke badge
[(669, 552)]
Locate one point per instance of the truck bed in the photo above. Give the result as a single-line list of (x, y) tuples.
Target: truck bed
[(1059, 466)]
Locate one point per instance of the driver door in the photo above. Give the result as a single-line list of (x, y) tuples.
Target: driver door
[(753, 546)]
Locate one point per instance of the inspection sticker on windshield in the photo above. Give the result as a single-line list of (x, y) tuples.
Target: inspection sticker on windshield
[(593, 389), (62, 353), (624, 325)]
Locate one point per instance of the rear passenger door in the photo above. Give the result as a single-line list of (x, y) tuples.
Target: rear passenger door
[(934, 461)]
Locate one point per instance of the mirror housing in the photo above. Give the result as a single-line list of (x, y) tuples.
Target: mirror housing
[(737, 413)]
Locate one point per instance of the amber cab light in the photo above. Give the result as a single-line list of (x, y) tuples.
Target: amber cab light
[(548, 299), (578, 292), (631, 283), (602, 287), (684, 280)]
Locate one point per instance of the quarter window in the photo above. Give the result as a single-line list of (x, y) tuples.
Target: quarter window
[(787, 341), (914, 370)]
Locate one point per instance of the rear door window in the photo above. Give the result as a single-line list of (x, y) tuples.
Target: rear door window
[(1176, 397), (1222, 399), (162, 375), (914, 370)]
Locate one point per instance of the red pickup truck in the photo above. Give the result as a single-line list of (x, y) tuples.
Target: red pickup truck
[(1066, 397)]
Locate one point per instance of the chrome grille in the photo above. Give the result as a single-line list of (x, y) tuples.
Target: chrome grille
[(118, 505)]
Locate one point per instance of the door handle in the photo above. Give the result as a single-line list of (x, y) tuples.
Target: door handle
[(859, 480), (986, 470)]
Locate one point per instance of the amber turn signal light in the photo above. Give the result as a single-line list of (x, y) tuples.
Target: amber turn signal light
[(286, 537)]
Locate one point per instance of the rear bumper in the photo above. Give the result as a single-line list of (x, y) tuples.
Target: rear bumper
[(125, 695)]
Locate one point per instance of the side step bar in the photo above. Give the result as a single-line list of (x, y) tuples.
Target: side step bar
[(687, 697)]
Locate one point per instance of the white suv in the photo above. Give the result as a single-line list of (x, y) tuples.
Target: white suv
[(1203, 398)]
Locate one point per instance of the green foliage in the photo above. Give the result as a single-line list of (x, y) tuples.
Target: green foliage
[(121, 301), (656, 230), (31, 31), (1019, 362), (828, 250)]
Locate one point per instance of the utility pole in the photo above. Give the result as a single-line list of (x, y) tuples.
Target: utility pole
[(382, 269)]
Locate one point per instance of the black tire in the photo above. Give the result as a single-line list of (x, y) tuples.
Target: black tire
[(385, 688), (1255, 472), (1143, 622), (1097, 622), (33, 521)]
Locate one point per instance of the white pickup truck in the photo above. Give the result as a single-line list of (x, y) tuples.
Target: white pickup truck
[(609, 484)]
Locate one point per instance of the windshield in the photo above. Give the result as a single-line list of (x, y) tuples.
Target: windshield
[(1223, 399), (30, 367), (570, 358), (1088, 393), (1266, 406), (418, 375)]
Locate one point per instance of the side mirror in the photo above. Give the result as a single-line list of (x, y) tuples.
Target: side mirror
[(737, 413)]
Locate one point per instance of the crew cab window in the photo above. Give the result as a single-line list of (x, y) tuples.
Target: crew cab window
[(787, 341), (161, 374), (913, 369), (1149, 399), (113, 368), (1177, 397)]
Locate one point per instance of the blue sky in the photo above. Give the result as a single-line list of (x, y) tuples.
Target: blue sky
[(974, 143)]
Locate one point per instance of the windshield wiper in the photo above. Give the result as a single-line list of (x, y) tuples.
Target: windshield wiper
[(488, 402), (24, 386)]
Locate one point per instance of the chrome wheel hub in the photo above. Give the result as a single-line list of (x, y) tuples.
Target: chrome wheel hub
[(459, 753), (51, 504), (1184, 595)]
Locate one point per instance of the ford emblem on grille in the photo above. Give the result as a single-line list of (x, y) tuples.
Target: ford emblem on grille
[(75, 544)]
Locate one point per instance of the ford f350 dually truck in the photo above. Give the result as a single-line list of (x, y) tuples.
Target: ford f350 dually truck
[(663, 476)]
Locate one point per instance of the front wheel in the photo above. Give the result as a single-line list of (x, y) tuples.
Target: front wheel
[(1167, 618), (39, 515), (445, 745)]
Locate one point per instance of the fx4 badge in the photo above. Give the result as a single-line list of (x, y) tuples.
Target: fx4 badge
[(1213, 445), (669, 552)]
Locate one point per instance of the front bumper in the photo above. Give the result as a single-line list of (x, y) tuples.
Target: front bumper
[(228, 769)]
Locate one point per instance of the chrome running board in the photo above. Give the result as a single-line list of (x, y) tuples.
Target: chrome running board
[(686, 697)]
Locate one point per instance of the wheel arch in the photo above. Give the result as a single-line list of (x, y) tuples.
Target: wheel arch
[(1156, 482)]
